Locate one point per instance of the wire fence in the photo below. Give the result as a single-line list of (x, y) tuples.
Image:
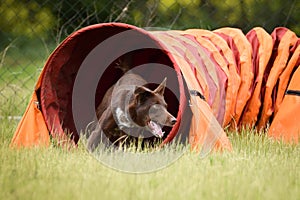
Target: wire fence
[(31, 29)]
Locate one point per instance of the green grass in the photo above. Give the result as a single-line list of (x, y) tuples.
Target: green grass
[(258, 168), (16, 88), (20, 65)]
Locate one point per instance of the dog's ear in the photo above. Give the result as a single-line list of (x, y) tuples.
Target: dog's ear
[(161, 88), (124, 63), (141, 93)]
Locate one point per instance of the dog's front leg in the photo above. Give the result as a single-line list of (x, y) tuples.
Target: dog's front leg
[(94, 139), (106, 123)]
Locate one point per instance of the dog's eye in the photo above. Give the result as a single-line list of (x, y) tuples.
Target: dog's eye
[(163, 104), (156, 106)]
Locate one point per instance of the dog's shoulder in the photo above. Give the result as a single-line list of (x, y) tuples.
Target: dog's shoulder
[(131, 79)]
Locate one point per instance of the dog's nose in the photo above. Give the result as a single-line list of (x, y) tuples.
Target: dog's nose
[(173, 121)]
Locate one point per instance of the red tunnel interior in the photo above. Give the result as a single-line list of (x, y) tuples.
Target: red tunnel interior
[(63, 64)]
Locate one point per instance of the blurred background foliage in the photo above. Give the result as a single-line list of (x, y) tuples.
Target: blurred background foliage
[(58, 18), (31, 29)]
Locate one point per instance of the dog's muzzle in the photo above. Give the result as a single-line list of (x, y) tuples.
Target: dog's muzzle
[(155, 129)]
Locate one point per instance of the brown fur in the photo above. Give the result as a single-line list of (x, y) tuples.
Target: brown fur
[(130, 106)]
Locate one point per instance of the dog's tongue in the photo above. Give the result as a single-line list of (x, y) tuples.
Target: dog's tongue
[(155, 129)]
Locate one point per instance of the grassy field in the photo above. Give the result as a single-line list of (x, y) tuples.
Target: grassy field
[(258, 168), (20, 65)]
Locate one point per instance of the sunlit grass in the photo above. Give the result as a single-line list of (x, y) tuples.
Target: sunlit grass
[(20, 65), (258, 168)]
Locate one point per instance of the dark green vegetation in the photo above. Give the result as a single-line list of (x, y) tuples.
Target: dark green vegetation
[(59, 18)]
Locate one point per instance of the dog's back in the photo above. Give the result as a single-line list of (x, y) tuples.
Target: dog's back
[(130, 106)]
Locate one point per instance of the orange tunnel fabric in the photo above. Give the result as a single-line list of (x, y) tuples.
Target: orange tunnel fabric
[(243, 78), (286, 124), (32, 130), (283, 40)]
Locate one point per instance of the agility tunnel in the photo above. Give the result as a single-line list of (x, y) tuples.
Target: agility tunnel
[(225, 79)]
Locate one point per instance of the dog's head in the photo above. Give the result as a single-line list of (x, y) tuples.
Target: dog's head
[(149, 109)]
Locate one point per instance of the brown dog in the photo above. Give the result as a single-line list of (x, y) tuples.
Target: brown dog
[(131, 109)]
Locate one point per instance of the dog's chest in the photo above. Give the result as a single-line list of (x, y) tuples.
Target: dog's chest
[(122, 119), (122, 96)]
